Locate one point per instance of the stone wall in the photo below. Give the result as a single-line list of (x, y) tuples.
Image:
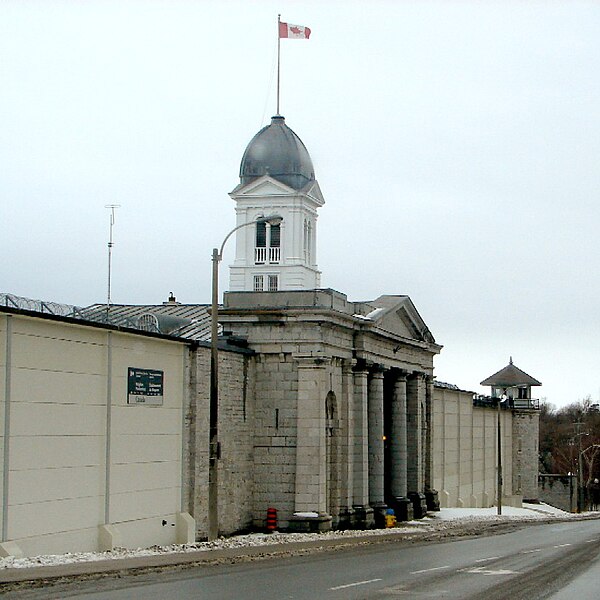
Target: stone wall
[(526, 427), (236, 426), (558, 490)]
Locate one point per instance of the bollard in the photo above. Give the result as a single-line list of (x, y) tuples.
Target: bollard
[(271, 520)]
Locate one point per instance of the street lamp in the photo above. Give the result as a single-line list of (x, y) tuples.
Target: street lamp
[(499, 474), (214, 450)]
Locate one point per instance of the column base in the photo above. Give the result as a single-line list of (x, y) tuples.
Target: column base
[(309, 523), (403, 508), (363, 517), (346, 519), (379, 509), (419, 504), (432, 499)]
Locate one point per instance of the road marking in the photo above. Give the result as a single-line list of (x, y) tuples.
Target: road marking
[(428, 570), (591, 541), (347, 585), (481, 571), (530, 551), (486, 559), (561, 545)]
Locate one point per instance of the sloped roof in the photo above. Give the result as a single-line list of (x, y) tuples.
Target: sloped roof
[(510, 376), (189, 321)]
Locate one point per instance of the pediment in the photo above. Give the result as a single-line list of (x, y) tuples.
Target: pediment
[(398, 315), (263, 186)]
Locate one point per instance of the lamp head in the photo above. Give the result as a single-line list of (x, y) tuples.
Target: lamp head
[(270, 219)]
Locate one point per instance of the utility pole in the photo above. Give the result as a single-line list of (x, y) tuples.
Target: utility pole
[(110, 247)]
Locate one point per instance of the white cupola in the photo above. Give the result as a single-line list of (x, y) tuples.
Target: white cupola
[(276, 178)]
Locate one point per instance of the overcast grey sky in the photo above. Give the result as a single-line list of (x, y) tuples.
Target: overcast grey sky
[(457, 145)]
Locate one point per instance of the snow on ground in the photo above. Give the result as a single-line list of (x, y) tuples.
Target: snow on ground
[(446, 518)]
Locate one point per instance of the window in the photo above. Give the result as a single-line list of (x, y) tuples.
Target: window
[(258, 283), (261, 235), (273, 283), (267, 249), (275, 231)]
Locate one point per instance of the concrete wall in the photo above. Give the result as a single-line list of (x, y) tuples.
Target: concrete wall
[(465, 451), (77, 455)]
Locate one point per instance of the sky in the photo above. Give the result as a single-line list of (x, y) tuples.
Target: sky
[(456, 143)]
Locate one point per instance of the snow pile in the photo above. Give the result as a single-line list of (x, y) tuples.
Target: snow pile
[(447, 518)]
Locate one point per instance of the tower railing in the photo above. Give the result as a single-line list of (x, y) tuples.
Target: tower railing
[(264, 255)]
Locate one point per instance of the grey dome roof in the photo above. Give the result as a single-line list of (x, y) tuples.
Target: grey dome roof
[(278, 152)]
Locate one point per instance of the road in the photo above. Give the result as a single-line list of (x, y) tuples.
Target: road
[(560, 561)]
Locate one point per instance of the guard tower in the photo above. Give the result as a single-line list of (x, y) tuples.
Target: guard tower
[(516, 385)]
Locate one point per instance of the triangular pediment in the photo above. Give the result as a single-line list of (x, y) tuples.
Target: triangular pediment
[(398, 315), (267, 186), (263, 186)]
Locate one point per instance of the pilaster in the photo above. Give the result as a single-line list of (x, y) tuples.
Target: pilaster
[(311, 468)]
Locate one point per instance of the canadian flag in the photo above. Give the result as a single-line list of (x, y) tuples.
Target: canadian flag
[(297, 32)]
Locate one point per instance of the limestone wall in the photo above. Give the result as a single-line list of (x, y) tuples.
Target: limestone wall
[(525, 453), (236, 425)]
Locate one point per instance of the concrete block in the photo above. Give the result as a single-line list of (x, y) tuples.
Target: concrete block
[(10, 549), (109, 538), (185, 528)]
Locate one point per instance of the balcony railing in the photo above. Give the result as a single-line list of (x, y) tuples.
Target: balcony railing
[(265, 255), (523, 403)]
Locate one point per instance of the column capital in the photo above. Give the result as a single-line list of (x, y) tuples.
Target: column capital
[(417, 375), (361, 365), (348, 364)]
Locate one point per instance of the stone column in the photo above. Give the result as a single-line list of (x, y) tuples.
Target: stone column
[(415, 392), (376, 466), (310, 494), (399, 451), (433, 502), (363, 513), (347, 446)]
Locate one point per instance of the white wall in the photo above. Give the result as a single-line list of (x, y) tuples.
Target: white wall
[(465, 451), (65, 421)]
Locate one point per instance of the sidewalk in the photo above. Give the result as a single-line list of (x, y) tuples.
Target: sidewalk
[(449, 521)]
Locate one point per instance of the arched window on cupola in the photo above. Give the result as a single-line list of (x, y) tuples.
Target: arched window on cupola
[(267, 249), (307, 241)]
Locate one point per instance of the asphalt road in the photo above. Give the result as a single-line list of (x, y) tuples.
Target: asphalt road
[(559, 561)]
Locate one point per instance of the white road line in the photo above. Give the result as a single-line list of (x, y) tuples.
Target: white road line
[(561, 545), (428, 570), (486, 559), (530, 551), (481, 571), (342, 587), (591, 541)]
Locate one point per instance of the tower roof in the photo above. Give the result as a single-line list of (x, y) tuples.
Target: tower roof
[(510, 376), (277, 151)]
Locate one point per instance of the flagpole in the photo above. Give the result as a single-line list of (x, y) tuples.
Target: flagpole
[(278, 59)]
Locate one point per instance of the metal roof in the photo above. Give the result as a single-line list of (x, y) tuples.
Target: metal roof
[(510, 376), (189, 321), (278, 152)]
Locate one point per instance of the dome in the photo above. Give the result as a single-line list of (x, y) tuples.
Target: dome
[(278, 152)]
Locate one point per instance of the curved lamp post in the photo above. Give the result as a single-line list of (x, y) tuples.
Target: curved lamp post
[(214, 450)]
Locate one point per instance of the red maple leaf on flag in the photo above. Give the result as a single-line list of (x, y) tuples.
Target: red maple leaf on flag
[(295, 30)]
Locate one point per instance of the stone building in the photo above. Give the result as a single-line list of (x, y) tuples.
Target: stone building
[(329, 410)]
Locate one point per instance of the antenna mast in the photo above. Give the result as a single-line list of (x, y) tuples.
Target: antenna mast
[(110, 246)]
